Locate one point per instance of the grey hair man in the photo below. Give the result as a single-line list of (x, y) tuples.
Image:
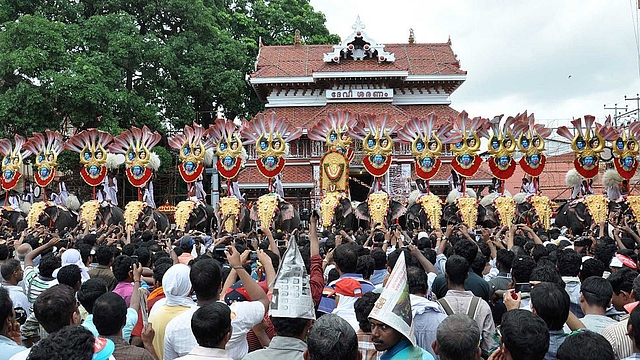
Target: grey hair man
[(332, 338), (458, 338)]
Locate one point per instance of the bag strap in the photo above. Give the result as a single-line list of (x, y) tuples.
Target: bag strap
[(445, 305), (473, 307)]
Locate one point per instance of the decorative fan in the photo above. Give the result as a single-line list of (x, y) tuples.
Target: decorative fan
[(136, 145), (47, 150), (226, 141), (587, 143), (335, 132), (12, 161), (466, 161), (270, 135), (91, 144), (375, 133), (426, 143), (192, 151)]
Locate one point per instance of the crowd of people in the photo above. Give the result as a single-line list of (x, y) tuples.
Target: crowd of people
[(518, 292)]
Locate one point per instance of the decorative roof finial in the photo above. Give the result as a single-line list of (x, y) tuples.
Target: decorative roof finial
[(358, 26), (411, 38), (296, 38)]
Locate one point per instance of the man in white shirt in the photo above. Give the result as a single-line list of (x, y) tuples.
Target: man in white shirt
[(211, 327), (205, 276)]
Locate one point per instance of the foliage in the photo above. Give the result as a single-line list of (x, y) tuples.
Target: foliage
[(112, 64)]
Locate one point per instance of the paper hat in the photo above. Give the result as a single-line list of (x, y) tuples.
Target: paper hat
[(393, 307), (291, 291)]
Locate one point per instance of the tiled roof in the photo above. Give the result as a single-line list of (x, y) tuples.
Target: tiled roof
[(304, 60), (306, 117)]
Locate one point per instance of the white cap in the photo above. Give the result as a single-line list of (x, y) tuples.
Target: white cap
[(291, 291), (393, 307), (422, 234)]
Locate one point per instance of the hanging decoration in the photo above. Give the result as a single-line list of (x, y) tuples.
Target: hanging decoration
[(46, 147), (91, 145)]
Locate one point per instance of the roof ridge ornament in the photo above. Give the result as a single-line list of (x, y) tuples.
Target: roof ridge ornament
[(358, 46)]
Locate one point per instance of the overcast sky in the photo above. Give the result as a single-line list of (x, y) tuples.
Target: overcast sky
[(558, 59)]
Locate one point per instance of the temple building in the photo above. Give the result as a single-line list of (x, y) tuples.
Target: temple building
[(302, 83)]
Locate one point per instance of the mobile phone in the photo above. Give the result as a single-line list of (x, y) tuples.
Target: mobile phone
[(282, 243), (253, 256), (221, 252), (523, 288)]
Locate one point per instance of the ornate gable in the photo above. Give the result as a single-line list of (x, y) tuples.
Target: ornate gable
[(358, 46)]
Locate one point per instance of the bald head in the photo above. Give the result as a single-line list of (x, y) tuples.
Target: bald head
[(22, 251)]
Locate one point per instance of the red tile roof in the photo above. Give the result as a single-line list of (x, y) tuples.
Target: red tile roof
[(301, 61), (306, 117)]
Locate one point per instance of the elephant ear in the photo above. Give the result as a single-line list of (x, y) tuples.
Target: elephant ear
[(347, 208), (362, 211), (287, 212), (396, 210)]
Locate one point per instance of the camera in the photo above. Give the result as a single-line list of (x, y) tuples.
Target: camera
[(523, 288), (281, 243), (253, 256), (394, 227)]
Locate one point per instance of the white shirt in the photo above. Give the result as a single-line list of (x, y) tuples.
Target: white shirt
[(203, 353), (148, 195), (179, 340)]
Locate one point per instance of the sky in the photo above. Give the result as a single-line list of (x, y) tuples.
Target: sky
[(558, 59)]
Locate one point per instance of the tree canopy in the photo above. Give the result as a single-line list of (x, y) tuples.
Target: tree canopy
[(112, 64)]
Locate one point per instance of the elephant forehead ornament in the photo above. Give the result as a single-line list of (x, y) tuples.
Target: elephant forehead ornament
[(183, 212), (47, 150), (432, 205), (136, 145), (191, 151), (36, 210), (378, 206), (91, 145), (12, 161), (587, 143), (229, 205), (598, 207), (542, 204), (330, 201), (505, 209), (132, 212), (267, 206), (89, 212)]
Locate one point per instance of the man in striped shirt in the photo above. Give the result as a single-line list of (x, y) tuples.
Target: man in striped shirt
[(38, 280)]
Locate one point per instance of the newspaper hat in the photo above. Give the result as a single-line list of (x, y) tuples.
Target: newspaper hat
[(291, 291), (393, 307)]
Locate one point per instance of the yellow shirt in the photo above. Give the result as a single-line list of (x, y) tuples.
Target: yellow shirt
[(159, 320)]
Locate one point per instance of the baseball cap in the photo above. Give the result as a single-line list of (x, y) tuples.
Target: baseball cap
[(347, 287), (186, 242), (422, 234)]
